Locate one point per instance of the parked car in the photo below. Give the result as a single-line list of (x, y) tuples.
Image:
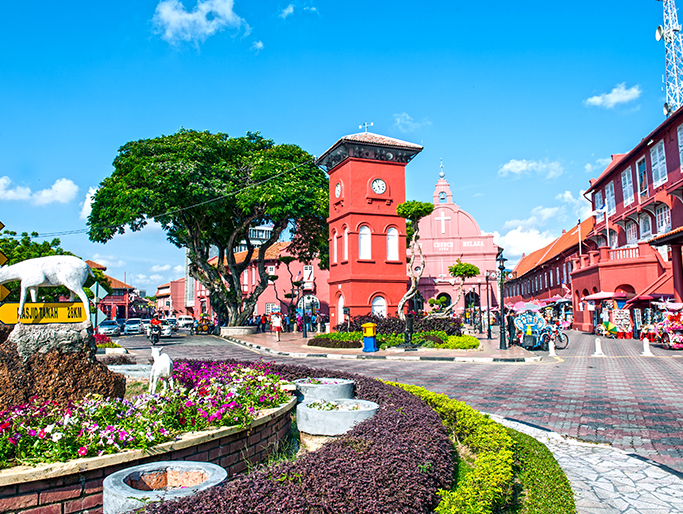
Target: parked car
[(185, 321), (122, 323), (109, 327), (166, 329), (133, 326), (145, 323), (174, 323)]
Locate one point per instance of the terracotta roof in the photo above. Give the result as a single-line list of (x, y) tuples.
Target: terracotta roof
[(96, 265), (616, 159), (561, 244), (376, 139), (117, 284), (272, 253), (667, 238)]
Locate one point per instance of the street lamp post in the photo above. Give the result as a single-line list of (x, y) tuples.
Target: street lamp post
[(304, 333), (501, 268), (481, 330)]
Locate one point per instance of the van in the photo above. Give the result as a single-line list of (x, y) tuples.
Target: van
[(185, 321)]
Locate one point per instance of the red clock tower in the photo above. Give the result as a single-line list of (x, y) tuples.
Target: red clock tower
[(367, 237)]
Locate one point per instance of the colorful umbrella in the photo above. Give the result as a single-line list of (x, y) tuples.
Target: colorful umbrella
[(610, 327)]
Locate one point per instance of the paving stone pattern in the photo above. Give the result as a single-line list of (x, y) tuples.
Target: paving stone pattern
[(631, 402)]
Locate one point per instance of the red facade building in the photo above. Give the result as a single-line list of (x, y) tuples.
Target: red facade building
[(367, 237), (170, 298)]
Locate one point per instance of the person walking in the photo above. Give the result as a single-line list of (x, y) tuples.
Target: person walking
[(276, 324)]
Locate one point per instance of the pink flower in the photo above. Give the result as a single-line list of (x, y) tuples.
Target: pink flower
[(83, 451), (41, 434)]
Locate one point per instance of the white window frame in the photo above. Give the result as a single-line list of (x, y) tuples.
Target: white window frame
[(392, 244), (631, 232), (271, 271), (663, 218), (627, 186), (364, 243), (334, 246), (641, 192), (597, 200), (680, 143), (609, 198), (270, 307), (379, 306), (641, 223), (658, 164), (346, 243)]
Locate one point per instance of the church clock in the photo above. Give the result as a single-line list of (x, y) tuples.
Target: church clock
[(367, 237)]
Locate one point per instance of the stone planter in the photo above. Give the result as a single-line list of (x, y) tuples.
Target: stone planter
[(333, 422), (327, 389), (132, 488), (237, 331)]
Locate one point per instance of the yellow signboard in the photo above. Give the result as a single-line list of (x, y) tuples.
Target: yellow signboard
[(3, 257), (34, 313), (4, 292)]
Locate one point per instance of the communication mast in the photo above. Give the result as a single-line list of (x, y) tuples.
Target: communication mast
[(670, 32)]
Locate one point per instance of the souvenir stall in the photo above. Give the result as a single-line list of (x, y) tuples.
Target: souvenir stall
[(669, 331)]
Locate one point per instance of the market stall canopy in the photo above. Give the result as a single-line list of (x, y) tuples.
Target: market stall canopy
[(526, 306), (669, 306), (602, 295)]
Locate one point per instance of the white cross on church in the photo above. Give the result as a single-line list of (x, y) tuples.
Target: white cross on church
[(443, 219)]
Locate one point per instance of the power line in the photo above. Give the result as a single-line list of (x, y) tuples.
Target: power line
[(182, 209)]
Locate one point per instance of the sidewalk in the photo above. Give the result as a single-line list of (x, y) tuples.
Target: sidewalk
[(294, 345)]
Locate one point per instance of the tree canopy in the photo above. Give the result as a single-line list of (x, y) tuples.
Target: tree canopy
[(207, 190)]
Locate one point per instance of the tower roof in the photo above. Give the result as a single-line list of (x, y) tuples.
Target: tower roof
[(366, 145)]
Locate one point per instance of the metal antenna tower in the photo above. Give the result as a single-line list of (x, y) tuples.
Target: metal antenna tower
[(673, 45)]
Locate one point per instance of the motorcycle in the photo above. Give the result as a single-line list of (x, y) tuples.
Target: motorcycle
[(154, 334)]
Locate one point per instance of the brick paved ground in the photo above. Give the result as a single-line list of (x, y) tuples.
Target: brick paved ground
[(632, 402)]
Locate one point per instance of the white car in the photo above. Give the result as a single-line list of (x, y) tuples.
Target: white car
[(133, 326), (166, 329), (185, 321), (109, 328)]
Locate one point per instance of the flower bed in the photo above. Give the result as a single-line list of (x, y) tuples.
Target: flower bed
[(351, 474), (210, 396), (430, 339)]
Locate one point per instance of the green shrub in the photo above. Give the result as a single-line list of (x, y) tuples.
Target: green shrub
[(487, 485), (459, 343), (341, 336), (545, 486)]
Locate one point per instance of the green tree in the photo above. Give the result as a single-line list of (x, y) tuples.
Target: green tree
[(461, 271), (413, 212), (207, 190), (22, 247)]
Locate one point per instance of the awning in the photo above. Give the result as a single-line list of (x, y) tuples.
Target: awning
[(673, 237), (602, 295)]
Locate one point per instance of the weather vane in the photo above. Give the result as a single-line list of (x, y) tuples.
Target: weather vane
[(365, 126)]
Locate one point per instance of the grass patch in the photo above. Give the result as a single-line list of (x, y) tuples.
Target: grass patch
[(135, 388)]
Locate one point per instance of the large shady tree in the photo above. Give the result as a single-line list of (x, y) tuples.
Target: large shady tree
[(207, 191)]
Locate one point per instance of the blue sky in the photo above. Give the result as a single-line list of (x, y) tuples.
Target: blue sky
[(524, 101)]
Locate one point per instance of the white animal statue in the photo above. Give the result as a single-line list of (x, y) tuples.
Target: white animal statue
[(51, 271), (162, 368)]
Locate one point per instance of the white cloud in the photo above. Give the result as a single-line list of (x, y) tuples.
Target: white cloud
[(549, 169), (522, 241), (15, 193), (312, 9), (157, 268), (179, 269), (599, 165), (62, 191), (141, 279), (539, 215), (286, 11), (405, 123), (581, 208), (257, 45), (110, 261), (156, 278), (618, 95), (86, 206), (175, 23)]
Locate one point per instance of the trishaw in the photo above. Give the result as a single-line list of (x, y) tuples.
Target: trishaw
[(530, 327), (671, 331)]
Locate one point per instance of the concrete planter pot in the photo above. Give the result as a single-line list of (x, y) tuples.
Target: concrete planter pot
[(327, 389), (333, 422), (237, 331), (130, 489)]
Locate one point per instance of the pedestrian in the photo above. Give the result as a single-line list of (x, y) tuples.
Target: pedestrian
[(264, 323), (286, 323), (276, 324)]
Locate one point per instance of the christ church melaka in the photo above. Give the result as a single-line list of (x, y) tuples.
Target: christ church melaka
[(368, 257)]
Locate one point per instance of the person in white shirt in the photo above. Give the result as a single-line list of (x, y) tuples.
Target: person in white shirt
[(276, 324)]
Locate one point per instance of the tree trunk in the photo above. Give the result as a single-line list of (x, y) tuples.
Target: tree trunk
[(414, 279)]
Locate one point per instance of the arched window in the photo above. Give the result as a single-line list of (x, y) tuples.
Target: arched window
[(631, 233), (663, 215), (346, 243), (645, 227), (379, 306), (340, 308), (392, 244), (334, 246), (364, 243)]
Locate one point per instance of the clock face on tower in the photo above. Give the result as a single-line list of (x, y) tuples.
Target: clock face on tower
[(379, 186), (337, 189)]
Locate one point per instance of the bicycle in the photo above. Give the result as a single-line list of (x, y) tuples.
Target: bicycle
[(553, 333)]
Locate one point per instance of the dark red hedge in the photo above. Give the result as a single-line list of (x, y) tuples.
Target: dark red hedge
[(393, 463)]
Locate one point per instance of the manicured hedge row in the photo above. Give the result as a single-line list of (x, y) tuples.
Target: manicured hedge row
[(501, 454), (395, 462)]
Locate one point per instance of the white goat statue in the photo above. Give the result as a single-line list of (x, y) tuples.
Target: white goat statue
[(51, 271), (162, 368)]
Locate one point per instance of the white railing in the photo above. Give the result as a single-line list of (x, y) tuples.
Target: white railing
[(624, 253)]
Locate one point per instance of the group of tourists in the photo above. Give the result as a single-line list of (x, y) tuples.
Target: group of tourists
[(281, 322)]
